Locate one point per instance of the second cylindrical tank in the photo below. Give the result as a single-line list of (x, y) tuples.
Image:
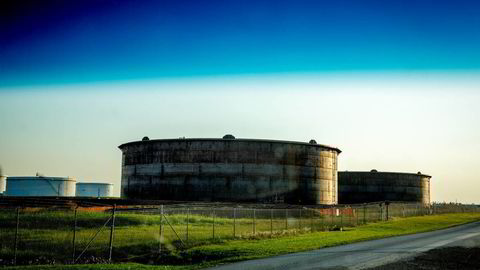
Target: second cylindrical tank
[(374, 186), (98, 190)]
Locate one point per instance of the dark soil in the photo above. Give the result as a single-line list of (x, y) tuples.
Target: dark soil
[(450, 258)]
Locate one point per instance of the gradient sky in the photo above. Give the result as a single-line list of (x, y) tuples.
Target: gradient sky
[(48, 42), (393, 84)]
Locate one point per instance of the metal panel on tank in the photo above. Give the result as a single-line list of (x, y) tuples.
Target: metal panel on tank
[(229, 169), (98, 190), (40, 186), (374, 186)]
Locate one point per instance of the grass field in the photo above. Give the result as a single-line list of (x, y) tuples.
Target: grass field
[(203, 252), (47, 235)]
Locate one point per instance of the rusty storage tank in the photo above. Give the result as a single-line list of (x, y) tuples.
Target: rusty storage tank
[(229, 169), (40, 186), (374, 186), (3, 183), (98, 190)]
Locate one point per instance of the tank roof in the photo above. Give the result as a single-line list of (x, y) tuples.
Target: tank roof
[(231, 140), (88, 183), (379, 172), (20, 178)]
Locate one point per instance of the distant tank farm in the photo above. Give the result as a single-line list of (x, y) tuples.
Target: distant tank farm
[(230, 170)]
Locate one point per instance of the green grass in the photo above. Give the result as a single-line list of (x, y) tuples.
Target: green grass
[(230, 250), (243, 250), (49, 234)]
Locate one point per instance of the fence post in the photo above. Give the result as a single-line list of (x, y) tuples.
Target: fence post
[(271, 222), (354, 212), (16, 237), (74, 234), (254, 222), (300, 220), (286, 218), (311, 220), (188, 215), (213, 227), (323, 216), (364, 213), (341, 217), (234, 221), (349, 213), (160, 239), (112, 231), (387, 203), (332, 214)]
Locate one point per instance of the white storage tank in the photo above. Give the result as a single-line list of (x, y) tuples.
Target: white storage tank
[(98, 190), (40, 186), (3, 183)]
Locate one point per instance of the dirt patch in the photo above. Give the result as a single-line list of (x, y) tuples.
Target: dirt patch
[(439, 259)]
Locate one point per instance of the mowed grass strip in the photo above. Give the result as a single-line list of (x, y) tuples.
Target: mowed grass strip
[(238, 250)]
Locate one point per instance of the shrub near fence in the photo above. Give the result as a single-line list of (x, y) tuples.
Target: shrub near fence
[(99, 235)]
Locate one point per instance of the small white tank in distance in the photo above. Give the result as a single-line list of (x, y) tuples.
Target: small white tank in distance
[(98, 190), (3, 183)]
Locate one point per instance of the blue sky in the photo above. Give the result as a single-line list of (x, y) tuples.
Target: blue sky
[(57, 42), (393, 84)]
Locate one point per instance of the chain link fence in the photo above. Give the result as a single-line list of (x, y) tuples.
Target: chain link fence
[(100, 234)]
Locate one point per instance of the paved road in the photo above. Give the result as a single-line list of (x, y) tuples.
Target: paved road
[(366, 254)]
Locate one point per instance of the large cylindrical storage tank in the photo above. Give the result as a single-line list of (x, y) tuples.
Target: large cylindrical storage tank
[(229, 169), (3, 183), (40, 186), (98, 190), (374, 186)]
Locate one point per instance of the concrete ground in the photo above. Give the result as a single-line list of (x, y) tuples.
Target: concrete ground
[(371, 254)]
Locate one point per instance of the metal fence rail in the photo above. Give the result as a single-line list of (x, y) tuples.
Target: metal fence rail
[(101, 234)]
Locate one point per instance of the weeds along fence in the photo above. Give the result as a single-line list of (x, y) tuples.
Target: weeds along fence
[(101, 234)]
